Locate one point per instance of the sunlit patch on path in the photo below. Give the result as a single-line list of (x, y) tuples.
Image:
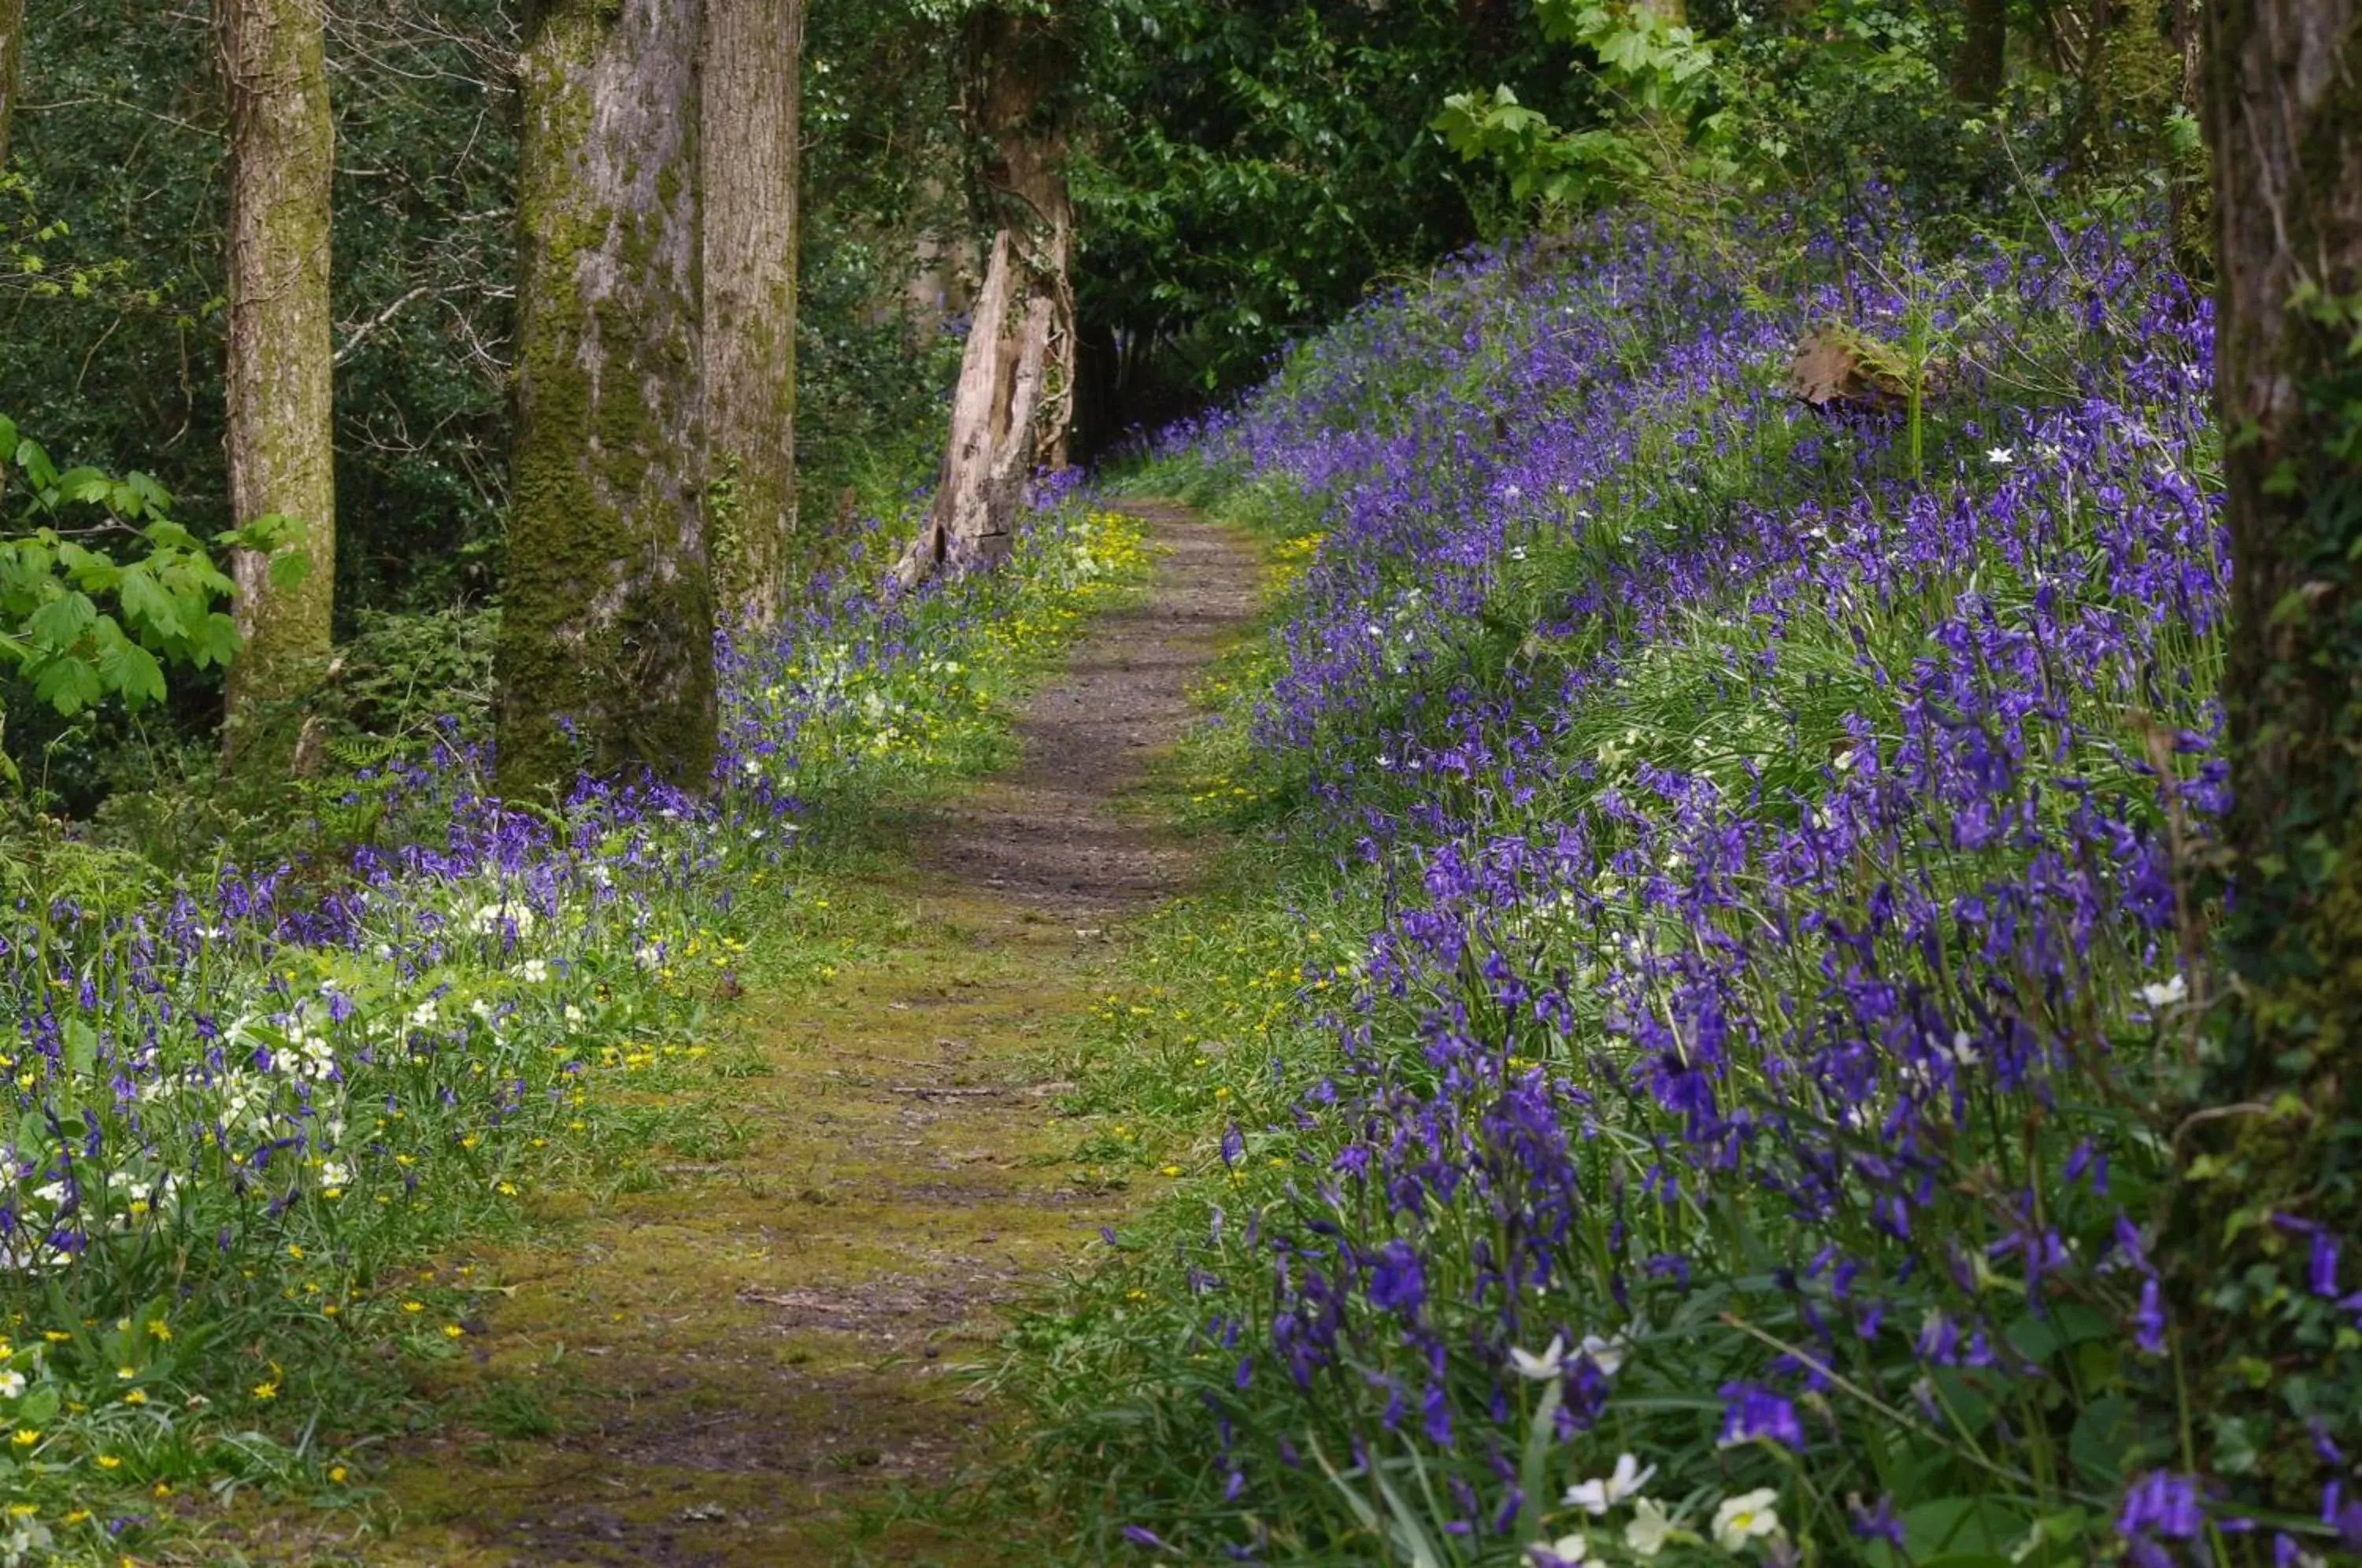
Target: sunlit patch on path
[(760, 1362)]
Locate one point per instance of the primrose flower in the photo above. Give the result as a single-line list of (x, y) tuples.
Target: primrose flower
[(1541, 1368), (12, 1384), (1750, 1516), (1650, 1528), (1601, 1493)]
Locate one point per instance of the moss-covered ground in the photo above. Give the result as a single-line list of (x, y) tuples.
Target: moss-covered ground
[(767, 1340)]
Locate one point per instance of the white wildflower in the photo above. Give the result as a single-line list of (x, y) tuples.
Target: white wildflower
[(12, 1384), (1648, 1528), (1601, 1493), (2000, 457), (1541, 1368), (1751, 1516), (2173, 990), (490, 918), (1606, 1355), (1565, 1548)]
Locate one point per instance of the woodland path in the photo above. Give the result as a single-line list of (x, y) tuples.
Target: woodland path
[(760, 1362)]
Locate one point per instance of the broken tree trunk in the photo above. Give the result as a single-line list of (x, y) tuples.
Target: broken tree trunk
[(1013, 354), (1015, 396)]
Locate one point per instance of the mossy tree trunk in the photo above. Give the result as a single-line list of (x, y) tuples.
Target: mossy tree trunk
[(2130, 85), (2270, 1159), (281, 403), (1978, 67), (1015, 398), (751, 89), (606, 651), (12, 56)]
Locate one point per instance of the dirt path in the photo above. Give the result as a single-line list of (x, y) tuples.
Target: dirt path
[(760, 1363)]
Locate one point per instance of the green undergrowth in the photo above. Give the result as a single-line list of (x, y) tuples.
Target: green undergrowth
[(270, 1332)]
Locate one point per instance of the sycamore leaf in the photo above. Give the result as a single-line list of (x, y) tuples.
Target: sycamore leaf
[(289, 567), (35, 463), (133, 670), (146, 604), (83, 485), (153, 496), (213, 641), (68, 684), (62, 621)]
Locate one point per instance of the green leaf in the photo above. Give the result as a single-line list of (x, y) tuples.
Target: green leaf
[(289, 567), (35, 463), (62, 621), (69, 684), (152, 495), (84, 484), (145, 603), (38, 1407), (133, 670), (82, 1047), (2104, 1434), (214, 641)]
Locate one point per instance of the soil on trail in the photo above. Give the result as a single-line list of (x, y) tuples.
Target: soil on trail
[(1045, 834), (760, 1363)]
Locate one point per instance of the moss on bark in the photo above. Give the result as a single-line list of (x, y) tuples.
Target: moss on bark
[(752, 57), (606, 637), (2271, 1153), (12, 54), (279, 375)]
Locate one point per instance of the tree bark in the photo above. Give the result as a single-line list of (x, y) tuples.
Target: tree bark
[(750, 96), (2271, 1157), (1977, 68), (280, 403), (1015, 399), (606, 650), (12, 57)]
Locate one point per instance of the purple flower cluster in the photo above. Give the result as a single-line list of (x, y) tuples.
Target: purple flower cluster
[(309, 1050), (1787, 836)]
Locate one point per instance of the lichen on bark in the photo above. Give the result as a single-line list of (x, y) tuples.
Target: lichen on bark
[(606, 637)]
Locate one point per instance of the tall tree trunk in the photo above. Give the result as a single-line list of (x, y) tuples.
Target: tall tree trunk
[(279, 392), (2271, 1161), (1977, 68), (1016, 393), (2190, 211), (12, 56), (606, 649), (753, 64)]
